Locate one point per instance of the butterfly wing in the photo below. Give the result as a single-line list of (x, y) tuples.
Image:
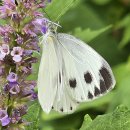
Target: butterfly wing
[(48, 73), (71, 72), (86, 74)]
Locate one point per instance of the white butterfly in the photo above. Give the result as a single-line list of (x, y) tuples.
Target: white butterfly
[(70, 72)]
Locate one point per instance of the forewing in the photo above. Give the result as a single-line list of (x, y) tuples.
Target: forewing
[(87, 75), (48, 74)]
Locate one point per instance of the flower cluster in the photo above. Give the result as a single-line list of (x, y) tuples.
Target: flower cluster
[(18, 41)]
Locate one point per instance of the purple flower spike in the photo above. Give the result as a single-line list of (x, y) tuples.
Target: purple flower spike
[(12, 77), (5, 120)]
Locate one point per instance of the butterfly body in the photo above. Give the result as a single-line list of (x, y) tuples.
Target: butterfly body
[(70, 72)]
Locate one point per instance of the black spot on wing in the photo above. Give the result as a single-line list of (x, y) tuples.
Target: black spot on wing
[(71, 108), (52, 107), (61, 110), (102, 86), (88, 77), (106, 76), (72, 83), (90, 96), (96, 91)]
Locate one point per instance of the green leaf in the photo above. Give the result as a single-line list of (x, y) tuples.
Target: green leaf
[(57, 8), (117, 120), (124, 23), (73, 18), (86, 123), (101, 2), (32, 117), (126, 37), (122, 92), (88, 34)]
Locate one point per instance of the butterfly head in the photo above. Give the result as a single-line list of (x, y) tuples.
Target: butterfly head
[(52, 27)]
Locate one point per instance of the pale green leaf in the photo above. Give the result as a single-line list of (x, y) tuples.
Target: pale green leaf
[(122, 75), (57, 8), (86, 123), (101, 2), (88, 34), (117, 120), (126, 37), (32, 117)]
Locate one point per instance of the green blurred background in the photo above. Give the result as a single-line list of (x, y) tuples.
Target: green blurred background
[(84, 18)]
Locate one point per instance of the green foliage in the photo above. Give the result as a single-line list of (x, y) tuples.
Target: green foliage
[(58, 8), (117, 120), (101, 2), (125, 23), (87, 121), (123, 90), (90, 34), (32, 117)]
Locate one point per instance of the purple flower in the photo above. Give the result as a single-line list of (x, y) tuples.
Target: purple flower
[(19, 40), (44, 29), (5, 120), (6, 39), (4, 49), (7, 9), (28, 29), (2, 56), (37, 14), (12, 77), (1, 71), (28, 5), (18, 113), (28, 87), (27, 52), (41, 25), (14, 88), (15, 116), (6, 88), (34, 96), (17, 52)]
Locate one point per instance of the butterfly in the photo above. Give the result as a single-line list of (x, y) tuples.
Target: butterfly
[(70, 72)]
